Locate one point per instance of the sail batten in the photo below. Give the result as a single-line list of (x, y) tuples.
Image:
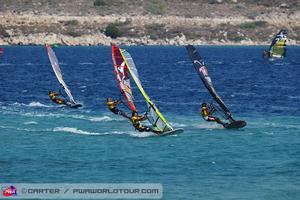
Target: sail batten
[(58, 73)]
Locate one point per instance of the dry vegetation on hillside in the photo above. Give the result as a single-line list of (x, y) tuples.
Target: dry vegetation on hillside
[(147, 21)]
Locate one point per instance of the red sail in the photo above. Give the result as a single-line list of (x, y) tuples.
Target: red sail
[(122, 75)]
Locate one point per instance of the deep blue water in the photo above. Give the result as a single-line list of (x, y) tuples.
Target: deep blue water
[(41, 142)]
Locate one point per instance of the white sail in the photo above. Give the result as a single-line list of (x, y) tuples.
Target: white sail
[(57, 71)]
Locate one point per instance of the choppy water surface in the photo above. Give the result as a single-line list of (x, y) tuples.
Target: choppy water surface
[(41, 142)]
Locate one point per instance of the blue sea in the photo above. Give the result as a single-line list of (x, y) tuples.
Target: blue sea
[(45, 143)]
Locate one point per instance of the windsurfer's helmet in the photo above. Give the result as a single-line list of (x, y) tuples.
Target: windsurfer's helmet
[(134, 112), (203, 104), (108, 99)]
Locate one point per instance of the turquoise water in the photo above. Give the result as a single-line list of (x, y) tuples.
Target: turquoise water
[(42, 143)]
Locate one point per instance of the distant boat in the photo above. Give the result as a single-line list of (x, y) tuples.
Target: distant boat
[(277, 48)]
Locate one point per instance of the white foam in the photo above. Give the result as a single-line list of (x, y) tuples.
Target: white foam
[(82, 132), (96, 118), (174, 124), (208, 126), (24, 129), (86, 63), (31, 104), (100, 119), (74, 130), (141, 134), (37, 104), (294, 97), (30, 122)]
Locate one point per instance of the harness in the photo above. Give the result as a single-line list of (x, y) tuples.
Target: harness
[(136, 123), (204, 111), (110, 105)]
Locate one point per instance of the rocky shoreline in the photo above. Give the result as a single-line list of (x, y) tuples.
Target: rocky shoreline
[(31, 29)]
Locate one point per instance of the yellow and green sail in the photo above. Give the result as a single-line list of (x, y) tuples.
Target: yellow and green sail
[(278, 46), (154, 116)]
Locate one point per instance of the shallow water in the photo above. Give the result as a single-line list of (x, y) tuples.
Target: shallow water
[(42, 142)]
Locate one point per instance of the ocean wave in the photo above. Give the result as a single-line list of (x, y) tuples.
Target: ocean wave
[(244, 62), (6, 64), (182, 62), (141, 134), (86, 63), (24, 129), (208, 126), (174, 124), (37, 104), (81, 117), (101, 119), (30, 123), (95, 118), (32, 104), (294, 97), (82, 132), (217, 62)]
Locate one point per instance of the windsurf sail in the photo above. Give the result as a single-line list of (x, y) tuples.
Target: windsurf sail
[(204, 76), (58, 73), (153, 114), (122, 76), (278, 46), (1, 50)]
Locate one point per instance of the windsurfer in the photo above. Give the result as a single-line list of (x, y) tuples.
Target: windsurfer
[(53, 96), (112, 106), (266, 54), (207, 114), (136, 122)]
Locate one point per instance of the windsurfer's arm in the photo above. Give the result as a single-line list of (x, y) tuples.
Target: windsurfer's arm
[(212, 110), (116, 102), (143, 117), (56, 94)]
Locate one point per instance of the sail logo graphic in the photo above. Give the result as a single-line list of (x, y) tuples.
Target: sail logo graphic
[(123, 72), (8, 191), (203, 70)]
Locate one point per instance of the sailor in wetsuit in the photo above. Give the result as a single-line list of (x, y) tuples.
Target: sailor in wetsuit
[(266, 54), (53, 96), (136, 122), (112, 106), (207, 115)]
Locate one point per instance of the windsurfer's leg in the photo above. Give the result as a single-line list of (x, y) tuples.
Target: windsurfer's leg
[(60, 101), (215, 119), (149, 129), (144, 129), (141, 129), (123, 114), (115, 111), (119, 112), (219, 121)]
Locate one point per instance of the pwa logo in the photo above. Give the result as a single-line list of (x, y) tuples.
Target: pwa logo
[(8, 191)]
